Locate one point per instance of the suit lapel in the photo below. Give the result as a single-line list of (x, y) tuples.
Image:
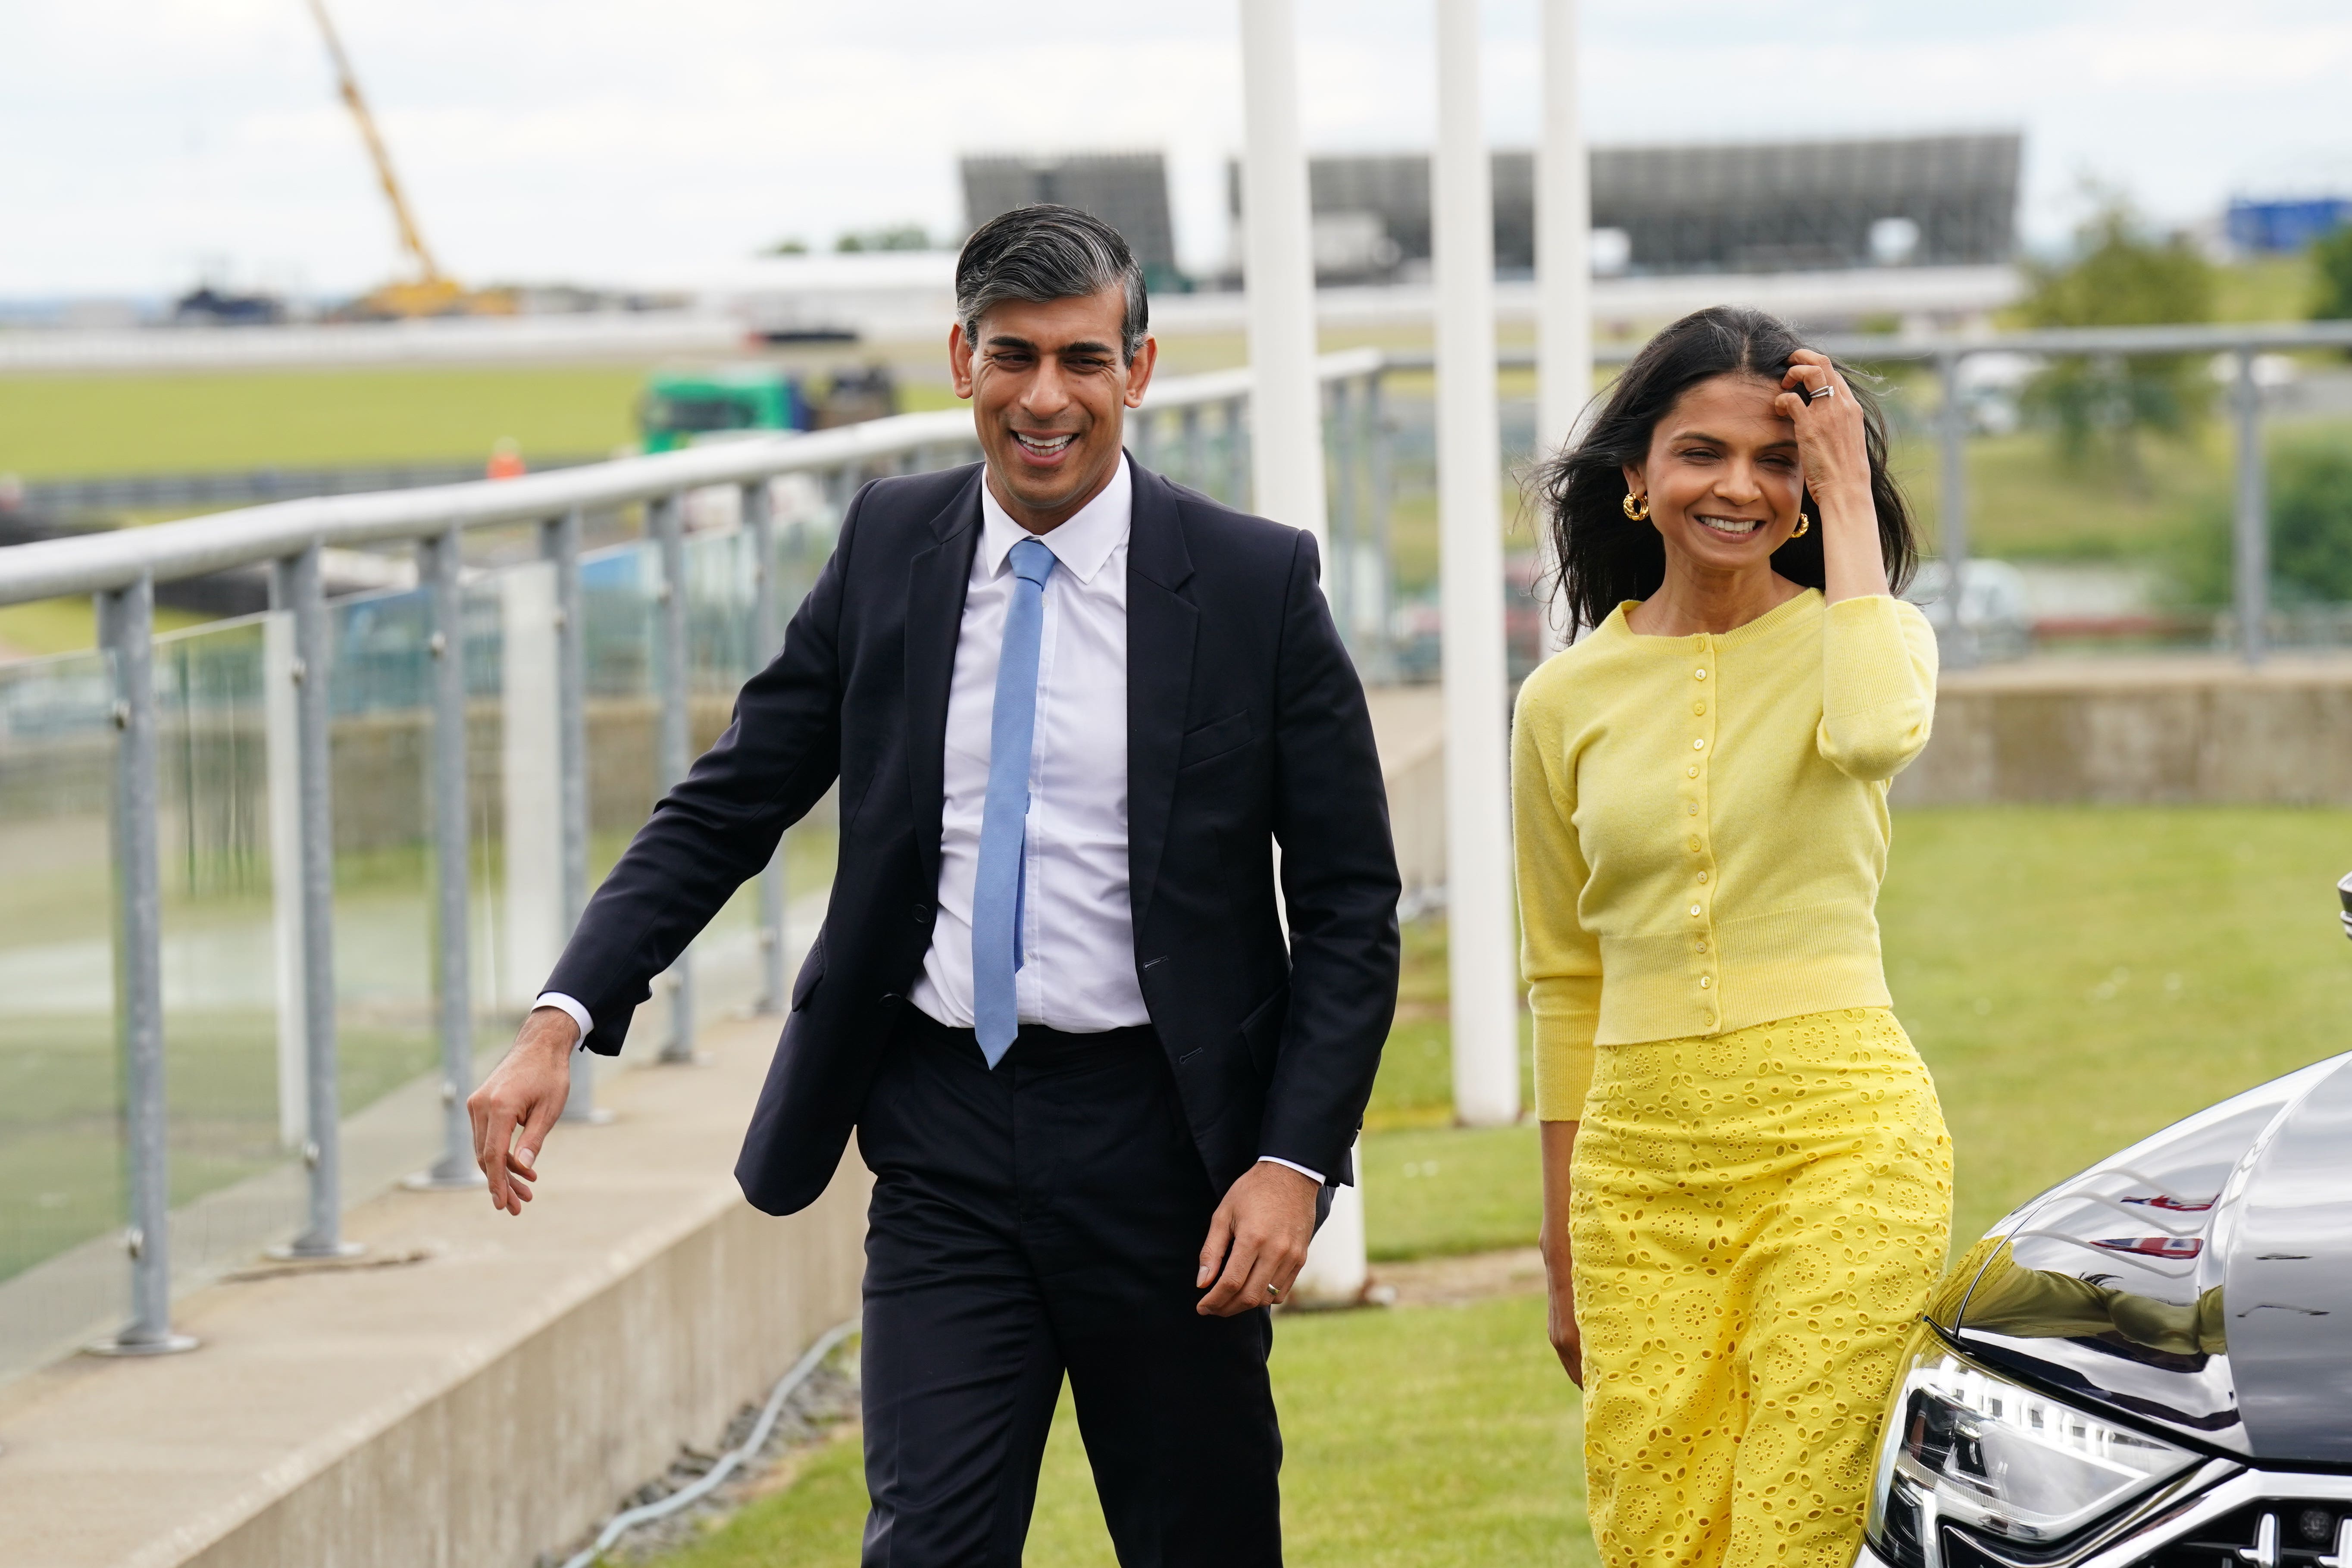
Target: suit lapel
[(1161, 624), (937, 579)]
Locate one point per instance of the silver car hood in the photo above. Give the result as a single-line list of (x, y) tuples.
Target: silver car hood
[(2200, 1282)]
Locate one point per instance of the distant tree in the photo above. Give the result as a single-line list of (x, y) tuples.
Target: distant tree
[(2120, 275), (787, 247), (891, 237), (2310, 489), (2331, 262)]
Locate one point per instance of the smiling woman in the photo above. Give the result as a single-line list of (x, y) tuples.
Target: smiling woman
[(1747, 1179)]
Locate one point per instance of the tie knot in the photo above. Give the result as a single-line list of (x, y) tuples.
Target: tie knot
[(1032, 562)]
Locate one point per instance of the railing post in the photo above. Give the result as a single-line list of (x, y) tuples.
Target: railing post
[(303, 588), (1237, 457), (666, 521), (559, 544), (767, 637), (439, 561), (126, 631), (1340, 571), (1196, 448), (1377, 443), (2251, 554), (1952, 436)]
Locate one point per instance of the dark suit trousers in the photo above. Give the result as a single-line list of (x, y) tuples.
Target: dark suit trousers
[(1042, 1219)]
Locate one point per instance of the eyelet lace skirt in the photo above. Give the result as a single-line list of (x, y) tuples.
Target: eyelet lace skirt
[(1757, 1219)]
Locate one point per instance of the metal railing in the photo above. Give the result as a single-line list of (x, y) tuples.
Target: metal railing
[(2250, 519), (1195, 428)]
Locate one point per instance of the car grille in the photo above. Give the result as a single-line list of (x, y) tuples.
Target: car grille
[(2299, 1535)]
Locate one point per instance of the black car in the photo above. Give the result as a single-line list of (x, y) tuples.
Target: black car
[(2149, 1364)]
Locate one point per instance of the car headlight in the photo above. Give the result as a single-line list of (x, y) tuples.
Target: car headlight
[(1964, 1446)]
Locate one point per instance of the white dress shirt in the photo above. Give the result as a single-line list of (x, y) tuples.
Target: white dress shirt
[(1077, 931), (1078, 936)]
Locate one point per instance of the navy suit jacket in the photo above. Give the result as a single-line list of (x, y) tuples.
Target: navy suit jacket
[(1247, 727)]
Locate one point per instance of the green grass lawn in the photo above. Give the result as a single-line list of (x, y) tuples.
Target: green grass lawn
[(2076, 978), (1423, 1437), (70, 425)]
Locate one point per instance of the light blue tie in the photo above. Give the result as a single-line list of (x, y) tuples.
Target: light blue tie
[(1004, 820)]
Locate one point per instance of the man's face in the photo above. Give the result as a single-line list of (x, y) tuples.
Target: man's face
[(1049, 390)]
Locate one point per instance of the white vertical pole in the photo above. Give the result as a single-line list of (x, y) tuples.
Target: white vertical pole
[(1287, 407), (1278, 268), (1563, 263), (531, 756), (1482, 968), (1336, 1271)]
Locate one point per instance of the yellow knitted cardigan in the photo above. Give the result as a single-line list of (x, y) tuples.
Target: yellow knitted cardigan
[(1702, 824)]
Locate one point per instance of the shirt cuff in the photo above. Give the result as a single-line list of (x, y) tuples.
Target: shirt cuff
[(573, 1010), (1314, 1176)]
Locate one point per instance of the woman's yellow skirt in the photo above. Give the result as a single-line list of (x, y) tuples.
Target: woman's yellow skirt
[(1756, 1218)]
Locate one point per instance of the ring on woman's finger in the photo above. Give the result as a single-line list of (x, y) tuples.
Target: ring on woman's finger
[(1816, 394)]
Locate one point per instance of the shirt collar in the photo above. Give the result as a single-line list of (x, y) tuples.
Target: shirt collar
[(1081, 544)]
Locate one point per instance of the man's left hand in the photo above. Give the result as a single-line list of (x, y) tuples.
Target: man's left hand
[(1257, 1240)]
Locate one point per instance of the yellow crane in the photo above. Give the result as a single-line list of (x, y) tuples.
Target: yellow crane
[(431, 292)]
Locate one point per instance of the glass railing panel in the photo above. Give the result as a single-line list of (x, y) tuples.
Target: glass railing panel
[(234, 1120), (380, 741), (62, 1263)]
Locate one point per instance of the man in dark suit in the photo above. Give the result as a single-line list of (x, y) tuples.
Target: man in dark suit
[(1102, 1075)]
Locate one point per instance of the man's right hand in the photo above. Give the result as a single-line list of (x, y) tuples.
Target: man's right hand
[(519, 1101)]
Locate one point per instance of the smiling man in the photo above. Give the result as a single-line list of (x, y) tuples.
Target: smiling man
[(1104, 1076)]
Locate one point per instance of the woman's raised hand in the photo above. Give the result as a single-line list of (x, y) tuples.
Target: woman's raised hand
[(1835, 458)]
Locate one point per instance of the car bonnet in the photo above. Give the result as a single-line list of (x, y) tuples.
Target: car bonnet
[(2200, 1280)]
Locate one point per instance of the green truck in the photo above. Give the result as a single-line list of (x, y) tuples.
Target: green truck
[(680, 407)]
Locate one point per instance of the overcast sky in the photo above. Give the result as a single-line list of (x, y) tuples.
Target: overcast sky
[(144, 142)]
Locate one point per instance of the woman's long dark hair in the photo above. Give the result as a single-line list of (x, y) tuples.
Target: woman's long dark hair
[(1604, 557)]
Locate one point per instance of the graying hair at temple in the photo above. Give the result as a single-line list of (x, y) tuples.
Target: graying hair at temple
[(1039, 254)]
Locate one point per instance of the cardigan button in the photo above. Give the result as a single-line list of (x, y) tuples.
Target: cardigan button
[(1705, 981), (1694, 911), (1698, 708), (1699, 675), (1699, 746)]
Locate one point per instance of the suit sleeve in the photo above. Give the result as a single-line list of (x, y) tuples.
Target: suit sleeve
[(720, 824), (1339, 886)]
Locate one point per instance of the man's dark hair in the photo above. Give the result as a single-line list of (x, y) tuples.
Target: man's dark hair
[(1042, 253), (1605, 557)]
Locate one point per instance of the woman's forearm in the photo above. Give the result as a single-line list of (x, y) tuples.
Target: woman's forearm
[(1559, 1156), (1559, 1268), (1853, 564)]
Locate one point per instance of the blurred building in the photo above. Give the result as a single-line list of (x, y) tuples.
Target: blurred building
[(1128, 191), (1763, 206)]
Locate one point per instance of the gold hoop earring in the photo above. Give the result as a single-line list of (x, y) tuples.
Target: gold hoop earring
[(1637, 507), (1804, 526)]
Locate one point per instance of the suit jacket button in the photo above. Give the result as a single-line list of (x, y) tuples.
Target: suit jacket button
[(922, 913), (888, 999)]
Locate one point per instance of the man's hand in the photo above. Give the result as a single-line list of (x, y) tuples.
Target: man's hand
[(1258, 1238), (519, 1101)]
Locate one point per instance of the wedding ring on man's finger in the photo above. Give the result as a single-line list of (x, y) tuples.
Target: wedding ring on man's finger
[(1274, 1289)]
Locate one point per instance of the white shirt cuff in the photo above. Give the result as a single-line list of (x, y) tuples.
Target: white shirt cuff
[(566, 1004), (1314, 1176)]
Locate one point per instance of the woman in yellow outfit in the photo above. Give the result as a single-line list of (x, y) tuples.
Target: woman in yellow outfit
[(1747, 1179)]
